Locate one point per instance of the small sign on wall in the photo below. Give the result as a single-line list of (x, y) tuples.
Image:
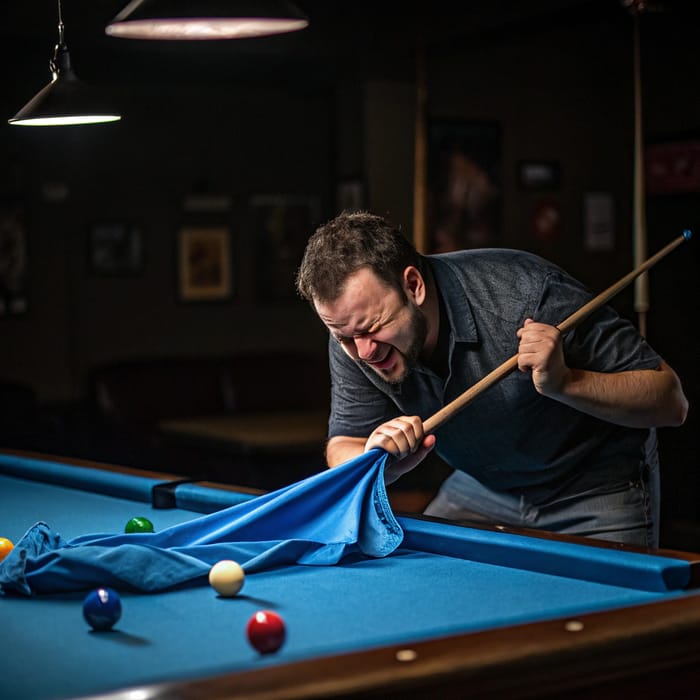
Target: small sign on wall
[(545, 223), (539, 175), (115, 249), (598, 221), (672, 168)]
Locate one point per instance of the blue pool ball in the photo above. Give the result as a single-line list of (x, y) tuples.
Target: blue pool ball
[(102, 608)]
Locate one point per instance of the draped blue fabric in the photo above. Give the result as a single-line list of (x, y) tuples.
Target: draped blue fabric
[(316, 521)]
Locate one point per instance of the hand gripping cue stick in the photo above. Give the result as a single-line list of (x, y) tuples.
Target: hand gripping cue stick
[(438, 418)]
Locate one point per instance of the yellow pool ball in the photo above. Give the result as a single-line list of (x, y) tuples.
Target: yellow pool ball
[(5, 547), (226, 577)]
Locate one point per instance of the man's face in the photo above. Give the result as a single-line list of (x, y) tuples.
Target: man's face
[(376, 325)]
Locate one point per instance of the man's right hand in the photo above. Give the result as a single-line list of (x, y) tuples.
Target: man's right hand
[(403, 438), (395, 470), (399, 437)]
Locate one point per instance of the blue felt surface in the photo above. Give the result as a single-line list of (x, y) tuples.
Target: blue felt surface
[(73, 512), (203, 499), (76, 477), (600, 564), (356, 605)]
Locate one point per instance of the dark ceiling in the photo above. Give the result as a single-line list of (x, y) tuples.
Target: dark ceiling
[(358, 34), (374, 36)]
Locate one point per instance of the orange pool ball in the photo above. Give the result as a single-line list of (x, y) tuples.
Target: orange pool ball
[(5, 547)]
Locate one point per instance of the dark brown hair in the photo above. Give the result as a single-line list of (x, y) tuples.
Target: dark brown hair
[(349, 242)]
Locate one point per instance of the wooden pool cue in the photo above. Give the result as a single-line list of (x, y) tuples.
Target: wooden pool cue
[(438, 418), (641, 285), (420, 159)]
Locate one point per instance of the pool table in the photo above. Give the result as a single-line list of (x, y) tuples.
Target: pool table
[(455, 612)]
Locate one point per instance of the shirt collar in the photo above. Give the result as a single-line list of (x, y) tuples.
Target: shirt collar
[(450, 282)]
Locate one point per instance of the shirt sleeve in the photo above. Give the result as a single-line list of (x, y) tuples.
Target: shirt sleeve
[(603, 342), (357, 404)]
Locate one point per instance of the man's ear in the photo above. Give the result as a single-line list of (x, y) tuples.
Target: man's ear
[(414, 285)]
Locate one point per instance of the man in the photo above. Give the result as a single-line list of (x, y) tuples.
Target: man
[(566, 444)]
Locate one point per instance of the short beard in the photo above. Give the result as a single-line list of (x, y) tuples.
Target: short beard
[(419, 333)]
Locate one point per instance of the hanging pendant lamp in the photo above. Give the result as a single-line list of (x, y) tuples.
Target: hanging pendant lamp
[(66, 100), (205, 19)]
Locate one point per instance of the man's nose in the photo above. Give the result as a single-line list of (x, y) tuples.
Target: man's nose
[(366, 347)]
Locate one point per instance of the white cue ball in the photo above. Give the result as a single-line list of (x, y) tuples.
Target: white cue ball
[(226, 577)]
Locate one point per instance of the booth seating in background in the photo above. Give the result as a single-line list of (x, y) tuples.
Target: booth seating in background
[(18, 414), (26, 423), (255, 419), (229, 419)]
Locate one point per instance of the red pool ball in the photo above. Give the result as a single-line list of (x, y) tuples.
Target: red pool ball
[(266, 631)]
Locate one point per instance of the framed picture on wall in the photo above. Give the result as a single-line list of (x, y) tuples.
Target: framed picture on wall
[(13, 260), (115, 249), (204, 263), (280, 226), (463, 185)]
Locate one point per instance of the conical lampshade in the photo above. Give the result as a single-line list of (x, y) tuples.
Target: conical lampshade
[(66, 100), (205, 19)]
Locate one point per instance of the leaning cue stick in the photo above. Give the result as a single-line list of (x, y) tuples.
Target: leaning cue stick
[(438, 418), (420, 235), (641, 285)]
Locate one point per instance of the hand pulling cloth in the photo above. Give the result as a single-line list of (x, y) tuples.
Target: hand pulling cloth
[(316, 521)]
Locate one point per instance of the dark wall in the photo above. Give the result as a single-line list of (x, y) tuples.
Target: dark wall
[(173, 142)]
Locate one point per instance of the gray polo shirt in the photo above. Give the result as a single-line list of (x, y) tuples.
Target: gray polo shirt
[(510, 437)]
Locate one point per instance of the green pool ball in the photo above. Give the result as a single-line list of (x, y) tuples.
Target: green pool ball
[(139, 525)]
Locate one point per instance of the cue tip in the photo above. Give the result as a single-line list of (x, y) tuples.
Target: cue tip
[(687, 234)]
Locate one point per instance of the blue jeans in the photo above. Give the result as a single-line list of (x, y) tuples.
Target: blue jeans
[(622, 510)]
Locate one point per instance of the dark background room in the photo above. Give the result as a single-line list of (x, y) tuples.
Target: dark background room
[(147, 265)]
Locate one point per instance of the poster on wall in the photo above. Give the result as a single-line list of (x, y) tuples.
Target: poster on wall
[(280, 226), (463, 185), (204, 263), (13, 260)]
